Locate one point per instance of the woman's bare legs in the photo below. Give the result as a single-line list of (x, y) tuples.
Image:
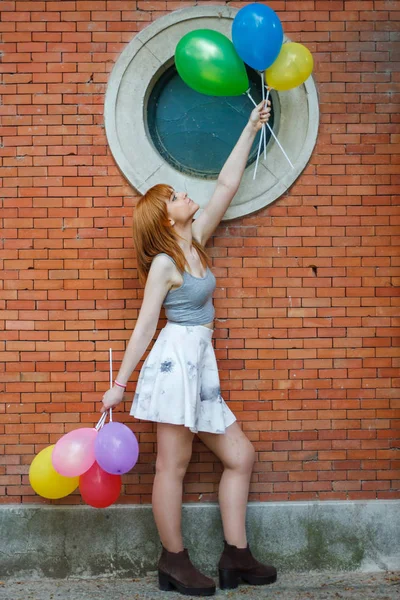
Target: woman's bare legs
[(174, 450), (237, 454)]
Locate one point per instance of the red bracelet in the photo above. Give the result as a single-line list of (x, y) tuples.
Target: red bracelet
[(119, 384)]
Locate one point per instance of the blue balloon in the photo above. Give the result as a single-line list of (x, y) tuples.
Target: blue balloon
[(257, 35)]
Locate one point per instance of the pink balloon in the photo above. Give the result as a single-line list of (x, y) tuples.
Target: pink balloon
[(73, 454)]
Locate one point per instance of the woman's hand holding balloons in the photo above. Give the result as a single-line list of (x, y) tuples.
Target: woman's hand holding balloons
[(112, 397), (79, 456), (260, 115)]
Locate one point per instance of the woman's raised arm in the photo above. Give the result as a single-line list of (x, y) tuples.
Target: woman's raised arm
[(229, 179)]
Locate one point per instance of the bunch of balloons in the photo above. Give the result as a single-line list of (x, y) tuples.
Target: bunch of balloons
[(92, 458), (257, 35), (211, 64)]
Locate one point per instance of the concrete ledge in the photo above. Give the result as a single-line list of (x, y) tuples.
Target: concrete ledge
[(62, 541)]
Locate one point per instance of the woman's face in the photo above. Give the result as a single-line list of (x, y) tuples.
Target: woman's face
[(180, 207)]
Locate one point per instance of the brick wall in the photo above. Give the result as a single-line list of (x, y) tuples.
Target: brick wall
[(306, 303)]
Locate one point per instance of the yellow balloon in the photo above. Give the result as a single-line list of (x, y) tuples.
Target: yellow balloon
[(292, 67), (46, 481)]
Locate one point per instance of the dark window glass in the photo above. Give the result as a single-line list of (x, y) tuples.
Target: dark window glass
[(196, 133)]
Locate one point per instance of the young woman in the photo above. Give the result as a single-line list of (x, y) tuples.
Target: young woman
[(178, 386)]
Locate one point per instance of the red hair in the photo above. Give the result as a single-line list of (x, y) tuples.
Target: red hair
[(153, 233)]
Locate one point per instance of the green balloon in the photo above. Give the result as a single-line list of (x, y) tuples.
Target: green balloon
[(208, 63)]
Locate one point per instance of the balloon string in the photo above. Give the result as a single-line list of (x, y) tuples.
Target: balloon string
[(280, 146), (264, 133), (103, 417), (260, 142), (258, 154), (273, 135), (249, 95), (111, 380), (101, 421), (265, 129), (110, 354)]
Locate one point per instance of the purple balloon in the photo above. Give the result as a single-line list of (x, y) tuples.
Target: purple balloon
[(116, 448)]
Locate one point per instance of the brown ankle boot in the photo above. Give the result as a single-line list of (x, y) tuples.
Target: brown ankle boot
[(175, 571), (239, 563)]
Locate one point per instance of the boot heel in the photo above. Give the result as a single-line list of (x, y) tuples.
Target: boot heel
[(164, 583), (228, 580)]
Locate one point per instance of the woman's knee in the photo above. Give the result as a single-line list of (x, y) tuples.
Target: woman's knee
[(243, 461), (249, 457), (174, 463), (174, 467)]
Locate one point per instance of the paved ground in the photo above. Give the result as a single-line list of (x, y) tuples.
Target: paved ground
[(384, 585)]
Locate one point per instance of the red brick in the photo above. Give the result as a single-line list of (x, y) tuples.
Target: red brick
[(305, 334)]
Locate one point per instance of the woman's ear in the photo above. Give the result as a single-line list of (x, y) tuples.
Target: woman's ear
[(171, 222)]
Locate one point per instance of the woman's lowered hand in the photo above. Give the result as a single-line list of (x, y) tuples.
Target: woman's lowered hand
[(112, 397)]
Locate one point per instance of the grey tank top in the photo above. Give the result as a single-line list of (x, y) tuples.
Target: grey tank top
[(191, 303)]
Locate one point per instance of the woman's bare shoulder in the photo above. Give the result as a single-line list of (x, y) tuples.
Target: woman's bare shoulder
[(163, 269)]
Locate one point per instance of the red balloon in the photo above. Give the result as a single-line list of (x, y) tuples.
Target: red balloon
[(99, 488)]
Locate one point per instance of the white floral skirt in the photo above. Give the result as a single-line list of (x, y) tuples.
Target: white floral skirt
[(179, 382)]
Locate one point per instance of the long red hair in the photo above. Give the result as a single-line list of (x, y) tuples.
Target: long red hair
[(153, 233)]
